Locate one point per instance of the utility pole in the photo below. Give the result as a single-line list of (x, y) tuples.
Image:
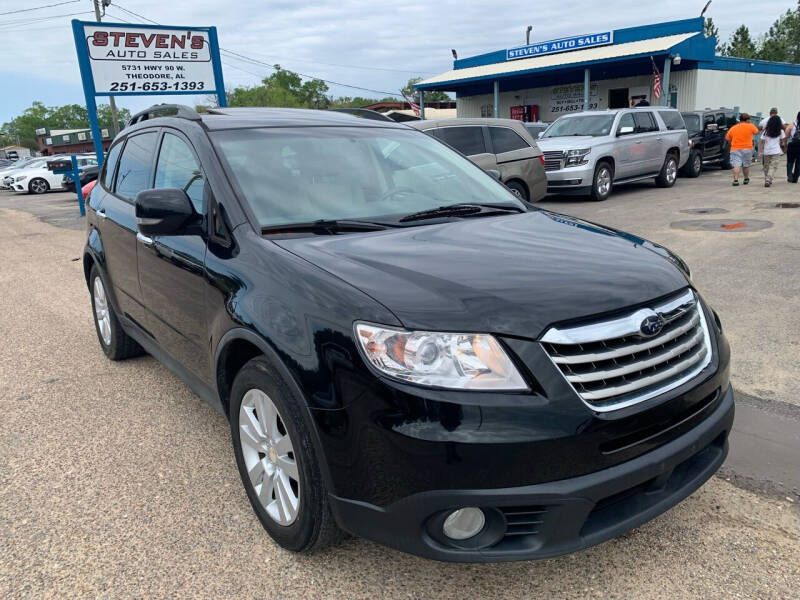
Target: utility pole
[(111, 101)]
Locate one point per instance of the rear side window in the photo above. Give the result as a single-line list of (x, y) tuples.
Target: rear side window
[(108, 167), (505, 139), (467, 140), (644, 122), (730, 119), (707, 120), (135, 165), (177, 168), (672, 119), (721, 120)]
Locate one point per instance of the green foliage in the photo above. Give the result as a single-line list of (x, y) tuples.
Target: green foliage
[(436, 96), (69, 116), (780, 43), (282, 88), (710, 30)]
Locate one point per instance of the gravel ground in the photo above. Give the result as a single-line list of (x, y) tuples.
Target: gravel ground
[(117, 482)]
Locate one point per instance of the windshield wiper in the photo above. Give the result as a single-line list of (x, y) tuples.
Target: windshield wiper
[(460, 210), (324, 226)]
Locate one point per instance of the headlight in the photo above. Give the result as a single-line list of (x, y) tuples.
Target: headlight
[(21, 178), (577, 157), (466, 361)]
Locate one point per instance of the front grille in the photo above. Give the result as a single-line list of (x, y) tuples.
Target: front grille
[(612, 364), (552, 160)]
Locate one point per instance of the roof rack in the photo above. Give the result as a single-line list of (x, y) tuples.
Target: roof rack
[(179, 111)]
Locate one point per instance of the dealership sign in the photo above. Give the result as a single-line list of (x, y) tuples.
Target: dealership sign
[(579, 42), (118, 59)]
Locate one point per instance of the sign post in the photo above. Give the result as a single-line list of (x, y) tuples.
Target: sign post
[(71, 170), (144, 60)]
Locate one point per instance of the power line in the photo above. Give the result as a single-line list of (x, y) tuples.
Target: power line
[(38, 19), (265, 64), (21, 10)]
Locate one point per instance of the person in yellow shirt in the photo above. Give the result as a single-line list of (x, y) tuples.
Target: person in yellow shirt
[(740, 137)]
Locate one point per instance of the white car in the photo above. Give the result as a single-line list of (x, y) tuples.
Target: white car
[(36, 178), (9, 169)]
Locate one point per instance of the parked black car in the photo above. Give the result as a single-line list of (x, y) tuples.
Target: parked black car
[(707, 129), (88, 174), (404, 350)]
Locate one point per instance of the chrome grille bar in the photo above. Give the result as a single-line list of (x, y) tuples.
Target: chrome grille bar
[(611, 364)]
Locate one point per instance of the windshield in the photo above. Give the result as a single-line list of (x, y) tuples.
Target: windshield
[(302, 174), (692, 123), (594, 125)]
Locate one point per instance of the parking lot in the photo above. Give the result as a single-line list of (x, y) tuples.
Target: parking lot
[(116, 481)]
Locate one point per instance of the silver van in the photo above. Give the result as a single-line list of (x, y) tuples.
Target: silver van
[(502, 145)]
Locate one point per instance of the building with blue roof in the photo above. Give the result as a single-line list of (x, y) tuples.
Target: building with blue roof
[(609, 69)]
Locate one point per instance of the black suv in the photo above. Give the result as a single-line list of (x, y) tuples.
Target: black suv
[(404, 350), (707, 129)]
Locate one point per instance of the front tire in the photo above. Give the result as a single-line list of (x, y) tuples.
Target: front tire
[(38, 186), (276, 460), (116, 344), (669, 172), (694, 166), (602, 182)]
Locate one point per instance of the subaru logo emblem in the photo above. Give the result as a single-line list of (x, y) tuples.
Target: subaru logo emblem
[(651, 325)]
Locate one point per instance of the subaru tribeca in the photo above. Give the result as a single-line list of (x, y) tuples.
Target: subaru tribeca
[(404, 350)]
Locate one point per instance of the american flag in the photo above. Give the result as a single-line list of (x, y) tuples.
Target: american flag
[(414, 106), (656, 80)]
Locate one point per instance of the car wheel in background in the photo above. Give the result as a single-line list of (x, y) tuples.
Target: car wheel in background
[(694, 165), (518, 189), (277, 462), (116, 344), (603, 181), (669, 172), (38, 186)]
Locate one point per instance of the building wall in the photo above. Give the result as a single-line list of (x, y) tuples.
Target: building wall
[(684, 82), (752, 92)]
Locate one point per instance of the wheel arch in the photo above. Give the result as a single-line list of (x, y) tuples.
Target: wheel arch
[(607, 159), (521, 182), (235, 348)]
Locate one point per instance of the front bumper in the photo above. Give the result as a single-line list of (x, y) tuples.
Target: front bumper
[(571, 180), (553, 518)]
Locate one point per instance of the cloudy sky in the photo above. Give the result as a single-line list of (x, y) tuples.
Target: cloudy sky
[(363, 43)]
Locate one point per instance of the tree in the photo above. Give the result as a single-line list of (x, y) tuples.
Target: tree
[(710, 31), (782, 41), (741, 44), (69, 116), (282, 88), (430, 96)]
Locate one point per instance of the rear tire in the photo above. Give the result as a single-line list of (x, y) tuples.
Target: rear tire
[(518, 189), (669, 172), (38, 186), (297, 517), (116, 344), (693, 166), (602, 181), (725, 163)]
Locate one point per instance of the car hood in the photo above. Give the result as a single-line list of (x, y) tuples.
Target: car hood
[(568, 142), (514, 274)]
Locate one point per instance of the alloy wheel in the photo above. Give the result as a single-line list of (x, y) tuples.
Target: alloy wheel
[(672, 170), (603, 182), (269, 457), (101, 311), (38, 186), (698, 163)]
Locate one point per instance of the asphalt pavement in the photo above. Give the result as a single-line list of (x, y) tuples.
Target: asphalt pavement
[(117, 482)]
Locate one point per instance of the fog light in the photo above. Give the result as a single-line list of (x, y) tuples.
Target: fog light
[(464, 523)]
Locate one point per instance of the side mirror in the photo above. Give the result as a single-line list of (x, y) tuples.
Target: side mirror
[(625, 130), (494, 174), (540, 134), (163, 212), (712, 127)]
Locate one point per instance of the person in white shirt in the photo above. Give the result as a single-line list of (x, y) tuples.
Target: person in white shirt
[(770, 149), (773, 112)]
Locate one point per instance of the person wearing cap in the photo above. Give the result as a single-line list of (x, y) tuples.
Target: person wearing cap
[(740, 137), (773, 112)]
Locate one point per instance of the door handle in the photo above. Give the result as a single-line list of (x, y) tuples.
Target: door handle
[(147, 241), (101, 212)]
